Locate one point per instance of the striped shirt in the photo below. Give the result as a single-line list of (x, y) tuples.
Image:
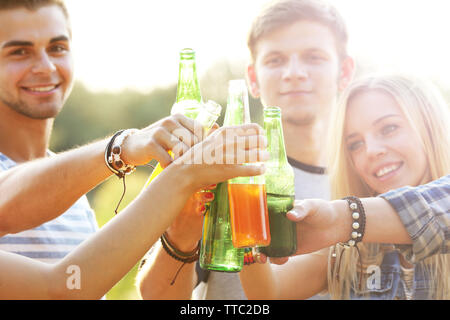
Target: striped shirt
[(52, 240), (425, 213)]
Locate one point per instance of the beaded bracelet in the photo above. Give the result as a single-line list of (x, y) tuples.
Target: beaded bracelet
[(359, 221), (248, 256)]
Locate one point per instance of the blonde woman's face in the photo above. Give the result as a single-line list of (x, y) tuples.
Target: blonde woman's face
[(385, 150)]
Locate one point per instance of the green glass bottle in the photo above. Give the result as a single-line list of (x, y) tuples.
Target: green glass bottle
[(248, 204), (189, 100), (217, 252), (280, 189)]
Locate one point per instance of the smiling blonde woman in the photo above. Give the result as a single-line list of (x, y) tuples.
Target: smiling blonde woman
[(416, 111)]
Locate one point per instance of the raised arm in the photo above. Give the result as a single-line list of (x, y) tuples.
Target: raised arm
[(39, 191), (417, 216), (416, 219), (105, 258), (160, 277)]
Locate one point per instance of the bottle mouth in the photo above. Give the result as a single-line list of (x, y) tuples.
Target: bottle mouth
[(187, 53), (272, 111)]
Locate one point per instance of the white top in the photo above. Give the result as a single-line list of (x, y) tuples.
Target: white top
[(52, 240)]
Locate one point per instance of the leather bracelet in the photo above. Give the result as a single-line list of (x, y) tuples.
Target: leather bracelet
[(113, 152), (186, 257), (108, 153)]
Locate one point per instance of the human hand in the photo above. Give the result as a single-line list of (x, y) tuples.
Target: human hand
[(177, 133), (186, 230), (320, 223), (222, 154)]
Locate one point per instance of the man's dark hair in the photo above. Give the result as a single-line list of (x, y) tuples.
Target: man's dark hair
[(33, 4)]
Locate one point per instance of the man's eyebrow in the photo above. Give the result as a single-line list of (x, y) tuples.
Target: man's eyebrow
[(21, 43), (60, 38), (17, 43)]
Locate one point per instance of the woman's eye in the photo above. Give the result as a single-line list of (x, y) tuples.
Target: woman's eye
[(353, 146), (388, 129)]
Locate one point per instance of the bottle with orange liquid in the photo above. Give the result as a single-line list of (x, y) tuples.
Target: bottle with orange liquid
[(217, 252), (247, 195)]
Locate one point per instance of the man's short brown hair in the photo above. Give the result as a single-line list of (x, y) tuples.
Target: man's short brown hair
[(33, 4), (281, 13)]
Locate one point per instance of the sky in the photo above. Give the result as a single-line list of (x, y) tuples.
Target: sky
[(134, 44)]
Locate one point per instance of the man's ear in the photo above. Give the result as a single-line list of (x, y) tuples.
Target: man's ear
[(347, 73), (252, 82)]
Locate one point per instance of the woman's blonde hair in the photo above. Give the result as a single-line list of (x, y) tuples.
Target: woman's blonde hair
[(428, 114)]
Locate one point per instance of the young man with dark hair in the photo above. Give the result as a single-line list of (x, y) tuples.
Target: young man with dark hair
[(44, 213), (300, 64)]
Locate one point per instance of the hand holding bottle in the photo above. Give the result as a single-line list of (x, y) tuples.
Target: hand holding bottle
[(220, 156), (186, 230), (176, 132)]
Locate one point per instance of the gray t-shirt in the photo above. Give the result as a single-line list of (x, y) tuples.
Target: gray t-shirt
[(311, 182)]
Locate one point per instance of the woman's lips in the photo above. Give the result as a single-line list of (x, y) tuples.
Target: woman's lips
[(387, 171)]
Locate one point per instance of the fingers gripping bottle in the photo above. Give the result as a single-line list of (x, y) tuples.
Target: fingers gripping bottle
[(189, 99), (280, 189), (247, 195)]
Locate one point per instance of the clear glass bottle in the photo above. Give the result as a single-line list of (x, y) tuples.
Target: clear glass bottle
[(247, 195)]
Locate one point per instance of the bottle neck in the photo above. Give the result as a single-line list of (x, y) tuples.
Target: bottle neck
[(188, 86), (275, 139), (238, 111)]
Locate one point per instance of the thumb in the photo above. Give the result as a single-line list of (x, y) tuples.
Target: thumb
[(300, 211)]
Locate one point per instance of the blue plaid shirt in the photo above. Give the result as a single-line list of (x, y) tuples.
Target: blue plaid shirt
[(425, 212)]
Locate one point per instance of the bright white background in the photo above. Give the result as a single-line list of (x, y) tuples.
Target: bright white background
[(134, 44)]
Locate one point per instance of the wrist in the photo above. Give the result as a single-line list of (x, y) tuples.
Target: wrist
[(185, 180), (343, 220), (181, 240)]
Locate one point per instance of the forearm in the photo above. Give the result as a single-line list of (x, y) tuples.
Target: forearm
[(39, 191), (125, 239), (259, 282), (301, 277), (105, 257), (383, 224), (155, 277)]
